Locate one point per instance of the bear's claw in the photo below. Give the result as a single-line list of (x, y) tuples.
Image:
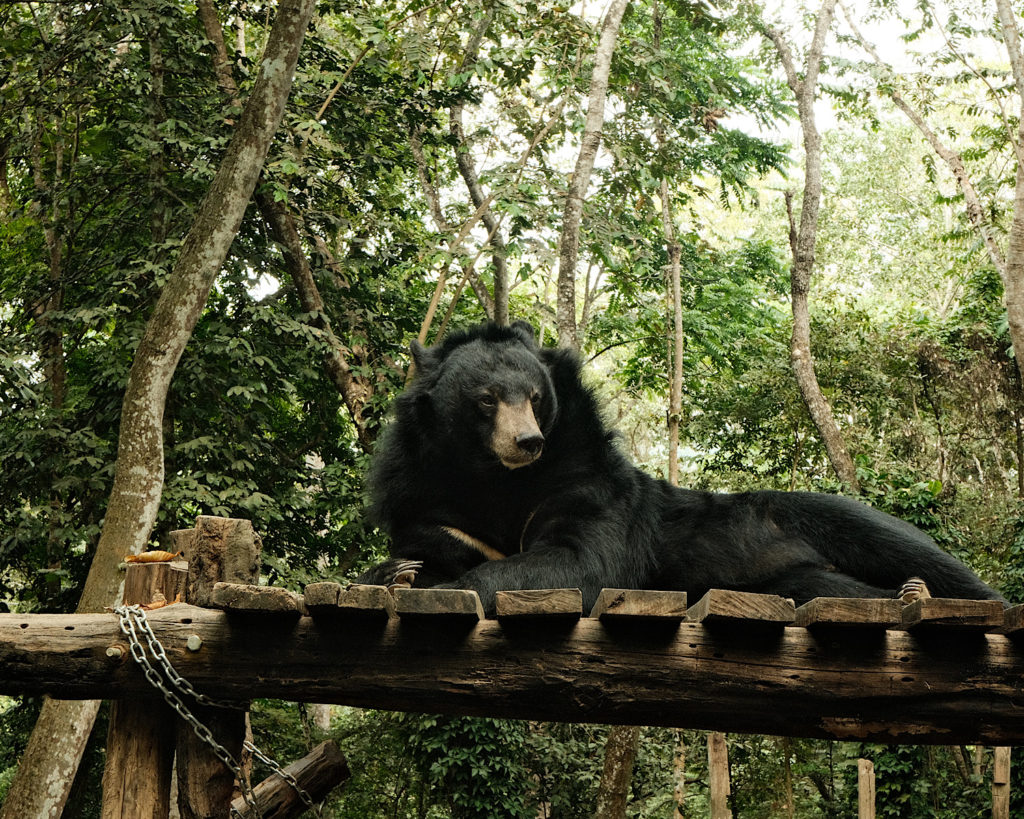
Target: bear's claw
[(913, 590), (404, 574)]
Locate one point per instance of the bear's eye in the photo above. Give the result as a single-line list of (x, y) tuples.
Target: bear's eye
[(535, 399), (487, 401)]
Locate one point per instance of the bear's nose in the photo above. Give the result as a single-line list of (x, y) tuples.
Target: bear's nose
[(530, 442)]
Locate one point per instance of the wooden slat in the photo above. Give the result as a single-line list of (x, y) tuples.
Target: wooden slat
[(621, 605), (541, 604), (373, 602), (322, 595), (723, 607), (849, 613), (249, 599), (421, 604), (946, 615), (1013, 621)]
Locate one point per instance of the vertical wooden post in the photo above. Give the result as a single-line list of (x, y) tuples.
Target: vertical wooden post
[(140, 738), (1001, 784), (222, 549), (865, 789), (718, 776)]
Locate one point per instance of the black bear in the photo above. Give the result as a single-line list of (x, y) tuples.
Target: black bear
[(498, 472)]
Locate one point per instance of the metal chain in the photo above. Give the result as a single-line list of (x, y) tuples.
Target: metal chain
[(133, 619)]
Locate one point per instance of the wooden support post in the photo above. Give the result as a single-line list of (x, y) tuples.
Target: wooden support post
[(222, 550), (1001, 784), (140, 738), (318, 773), (865, 789), (718, 776)]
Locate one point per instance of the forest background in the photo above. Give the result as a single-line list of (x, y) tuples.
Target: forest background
[(422, 179)]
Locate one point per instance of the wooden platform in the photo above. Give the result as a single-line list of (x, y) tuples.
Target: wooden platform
[(942, 671)]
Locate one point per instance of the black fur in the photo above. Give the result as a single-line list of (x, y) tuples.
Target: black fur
[(581, 516)]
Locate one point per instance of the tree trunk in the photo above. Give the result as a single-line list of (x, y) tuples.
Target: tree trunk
[(619, 755), (1011, 266), (679, 776), (138, 477), (1013, 276), (803, 236), (467, 169), (355, 392), (573, 213), (787, 766), (676, 345)]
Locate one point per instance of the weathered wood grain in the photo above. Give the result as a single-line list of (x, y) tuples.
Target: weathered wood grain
[(897, 688), (323, 595), (1013, 621), (720, 607), (539, 604), (849, 613), (154, 582), (438, 604), (140, 734), (223, 550), (358, 603), (953, 616), (318, 773), (244, 598), (622, 605)]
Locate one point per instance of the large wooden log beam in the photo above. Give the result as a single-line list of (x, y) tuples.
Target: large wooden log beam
[(883, 685)]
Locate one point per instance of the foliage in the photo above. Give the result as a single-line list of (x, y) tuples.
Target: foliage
[(111, 126)]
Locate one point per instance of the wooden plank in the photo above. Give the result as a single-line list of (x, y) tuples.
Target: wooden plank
[(721, 607), (359, 601), (621, 605), (849, 613), (539, 604), (949, 616), (322, 595), (1013, 621), (451, 604), (245, 598), (897, 689)]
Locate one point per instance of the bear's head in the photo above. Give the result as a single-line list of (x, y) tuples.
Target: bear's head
[(487, 395)]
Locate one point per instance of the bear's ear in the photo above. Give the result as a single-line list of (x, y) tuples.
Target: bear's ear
[(525, 331), (422, 358)]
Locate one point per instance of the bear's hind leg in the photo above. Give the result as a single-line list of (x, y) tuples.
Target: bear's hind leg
[(804, 583)]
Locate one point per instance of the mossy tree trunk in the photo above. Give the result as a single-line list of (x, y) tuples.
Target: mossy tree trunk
[(52, 756)]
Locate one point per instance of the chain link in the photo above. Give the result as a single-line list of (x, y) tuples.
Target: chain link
[(132, 620)]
